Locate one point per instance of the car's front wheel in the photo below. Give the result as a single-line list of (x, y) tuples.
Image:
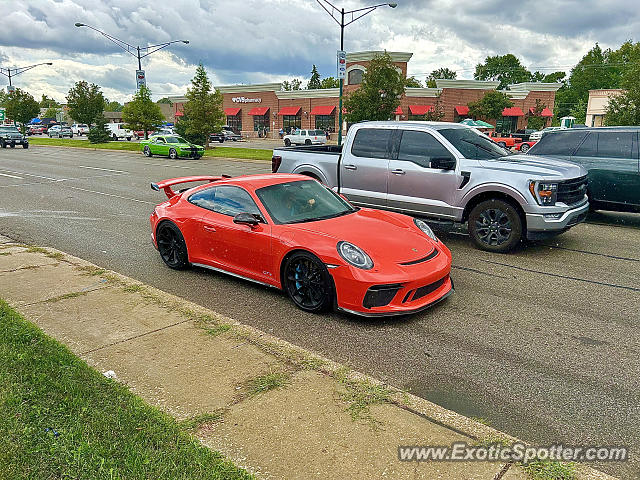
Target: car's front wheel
[(495, 226), (287, 142), (524, 148), (308, 283), (25, 145), (173, 154), (147, 151), (171, 246), (12, 145), (114, 137)]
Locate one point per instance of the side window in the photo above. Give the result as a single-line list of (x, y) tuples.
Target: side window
[(589, 147), (615, 144), (204, 198), (371, 142), (420, 148), (559, 143), (234, 200)]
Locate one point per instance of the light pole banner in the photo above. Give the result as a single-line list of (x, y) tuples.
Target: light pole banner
[(140, 78), (342, 64)]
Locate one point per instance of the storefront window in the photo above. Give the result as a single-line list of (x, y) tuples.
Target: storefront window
[(506, 124), (420, 118), (326, 122), (291, 122), (261, 122), (235, 122), (355, 77)]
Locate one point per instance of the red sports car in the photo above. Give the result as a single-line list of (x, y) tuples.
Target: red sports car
[(293, 233)]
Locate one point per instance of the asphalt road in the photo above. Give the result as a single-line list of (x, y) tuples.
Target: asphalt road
[(543, 343)]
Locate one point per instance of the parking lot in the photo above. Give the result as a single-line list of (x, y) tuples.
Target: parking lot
[(542, 343)]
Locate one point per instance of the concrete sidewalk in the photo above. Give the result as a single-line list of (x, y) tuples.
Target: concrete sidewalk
[(274, 408)]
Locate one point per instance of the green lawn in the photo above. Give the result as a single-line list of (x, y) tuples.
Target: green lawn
[(62, 419), (227, 152)]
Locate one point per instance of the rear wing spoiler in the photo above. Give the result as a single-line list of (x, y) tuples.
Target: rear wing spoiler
[(167, 184)]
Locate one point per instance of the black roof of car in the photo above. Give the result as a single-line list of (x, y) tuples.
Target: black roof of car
[(621, 128)]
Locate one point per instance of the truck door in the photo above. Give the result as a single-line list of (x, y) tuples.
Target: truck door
[(417, 183), (364, 167)]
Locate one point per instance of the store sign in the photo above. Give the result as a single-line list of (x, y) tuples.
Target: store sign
[(2, 116), (245, 100), (11, 88), (140, 78), (342, 64)]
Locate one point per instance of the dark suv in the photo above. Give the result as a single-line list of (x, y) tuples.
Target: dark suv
[(11, 136), (611, 156)]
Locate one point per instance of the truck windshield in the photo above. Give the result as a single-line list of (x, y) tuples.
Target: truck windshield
[(472, 144), (302, 201)]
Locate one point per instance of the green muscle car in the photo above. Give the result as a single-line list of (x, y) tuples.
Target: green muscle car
[(171, 146)]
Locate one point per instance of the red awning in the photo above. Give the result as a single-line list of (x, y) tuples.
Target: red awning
[(322, 110), (289, 111), (420, 109), (258, 110), (398, 111), (178, 114), (462, 110), (546, 112), (512, 112), (232, 112)]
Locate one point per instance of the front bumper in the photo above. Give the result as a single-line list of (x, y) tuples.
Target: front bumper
[(190, 153), (539, 226), (16, 141)]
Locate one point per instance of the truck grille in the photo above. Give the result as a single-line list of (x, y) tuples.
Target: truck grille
[(572, 191)]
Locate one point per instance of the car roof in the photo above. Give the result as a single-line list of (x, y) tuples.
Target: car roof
[(597, 129), (256, 181), (413, 123)]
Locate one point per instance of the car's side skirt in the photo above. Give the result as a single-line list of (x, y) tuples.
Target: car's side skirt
[(237, 275)]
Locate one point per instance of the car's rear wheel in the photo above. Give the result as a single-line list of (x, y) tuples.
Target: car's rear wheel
[(171, 246), (524, 148), (495, 226), (287, 142), (307, 142), (502, 144), (147, 151), (173, 154), (115, 137), (308, 283), (12, 145)]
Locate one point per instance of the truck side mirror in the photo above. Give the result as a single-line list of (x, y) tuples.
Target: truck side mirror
[(444, 163)]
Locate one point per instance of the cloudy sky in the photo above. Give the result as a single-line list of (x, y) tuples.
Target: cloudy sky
[(253, 41)]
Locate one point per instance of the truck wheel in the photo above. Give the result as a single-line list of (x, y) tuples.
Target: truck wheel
[(495, 226), (115, 137), (287, 142), (12, 145), (524, 148), (307, 142), (25, 145)]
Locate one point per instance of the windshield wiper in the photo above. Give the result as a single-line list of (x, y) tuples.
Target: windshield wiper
[(326, 217)]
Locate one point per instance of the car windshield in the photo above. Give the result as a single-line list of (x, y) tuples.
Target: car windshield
[(472, 144), (175, 140), (302, 201), (9, 129)]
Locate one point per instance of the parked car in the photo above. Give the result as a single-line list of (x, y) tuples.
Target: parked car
[(36, 129), (523, 134), (60, 131), (293, 233), (449, 172), (11, 136), (80, 129), (117, 131), (171, 146), (224, 136), (305, 137), (538, 134), (138, 134), (525, 145), (504, 141), (610, 155)]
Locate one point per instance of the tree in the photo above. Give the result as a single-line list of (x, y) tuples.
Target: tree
[(142, 113), (536, 121), (99, 133), (3, 98), (48, 102), (52, 112), (442, 72), (85, 102), (113, 106), (624, 109), (490, 106), (314, 81), (295, 84), (379, 93), (165, 100), (506, 69), (21, 107), (203, 109), (329, 82), (413, 82)]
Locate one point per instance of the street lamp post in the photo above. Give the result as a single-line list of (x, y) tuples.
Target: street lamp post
[(332, 10), (133, 50), (12, 72)]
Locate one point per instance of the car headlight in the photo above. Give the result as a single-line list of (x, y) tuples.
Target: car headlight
[(422, 225), (545, 193), (354, 255)]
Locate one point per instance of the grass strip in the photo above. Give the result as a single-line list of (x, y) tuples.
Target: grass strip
[(226, 152), (63, 419)]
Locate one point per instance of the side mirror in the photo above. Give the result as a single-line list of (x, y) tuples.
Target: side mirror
[(444, 163), (245, 219)]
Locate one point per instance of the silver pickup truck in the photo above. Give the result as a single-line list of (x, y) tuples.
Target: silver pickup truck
[(450, 172)]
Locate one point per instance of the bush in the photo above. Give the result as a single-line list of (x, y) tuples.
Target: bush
[(99, 133)]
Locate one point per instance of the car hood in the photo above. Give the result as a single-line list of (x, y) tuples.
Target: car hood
[(535, 165), (381, 234)]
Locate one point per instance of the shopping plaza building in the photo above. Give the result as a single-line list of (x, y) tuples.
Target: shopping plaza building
[(251, 109)]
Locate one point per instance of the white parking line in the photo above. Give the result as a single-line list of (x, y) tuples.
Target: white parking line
[(103, 169), (110, 195), (10, 176)]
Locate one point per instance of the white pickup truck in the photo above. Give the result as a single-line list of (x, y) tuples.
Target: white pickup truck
[(450, 172), (305, 137), (117, 131)]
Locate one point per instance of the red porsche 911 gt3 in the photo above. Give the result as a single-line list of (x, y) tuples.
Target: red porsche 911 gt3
[(293, 233)]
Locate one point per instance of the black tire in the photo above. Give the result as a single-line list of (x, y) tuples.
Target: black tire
[(524, 148), (114, 137), (495, 226), (173, 154), (25, 145), (128, 139), (307, 142), (12, 145), (171, 246), (4, 145), (71, 136), (147, 151), (307, 282), (221, 140), (197, 157), (502, 144), (287, 142)]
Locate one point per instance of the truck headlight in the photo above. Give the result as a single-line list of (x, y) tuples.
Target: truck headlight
[(545, 193), (426, 229), (354, 255)]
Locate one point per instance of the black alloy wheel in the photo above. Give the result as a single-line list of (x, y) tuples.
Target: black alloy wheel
[(171, 246), (173, 154), (307, 142), (495, 226), (308, 283), (147, 151)]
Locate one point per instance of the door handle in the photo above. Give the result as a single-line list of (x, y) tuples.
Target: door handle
[(398, 171), (209, 228), (350, 167)]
